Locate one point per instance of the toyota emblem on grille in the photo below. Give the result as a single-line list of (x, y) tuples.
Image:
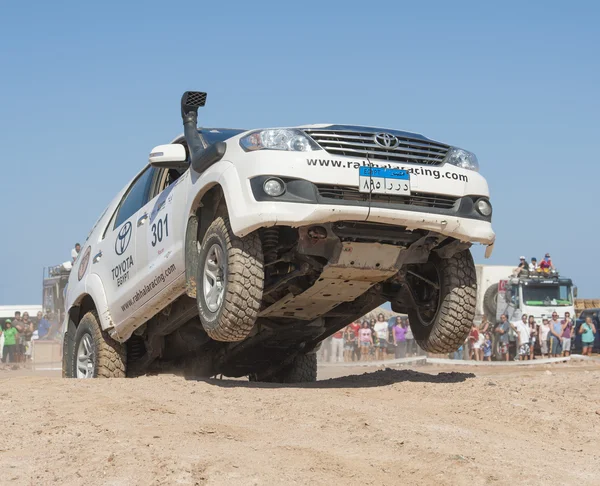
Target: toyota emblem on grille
[(386, 140), (123, 239)]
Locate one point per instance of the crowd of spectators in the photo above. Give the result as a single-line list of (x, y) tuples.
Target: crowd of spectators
[(371, 340), (20, 331), (524, 339), (519, 340)]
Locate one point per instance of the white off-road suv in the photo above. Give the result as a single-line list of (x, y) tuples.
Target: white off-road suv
[(237, 252)]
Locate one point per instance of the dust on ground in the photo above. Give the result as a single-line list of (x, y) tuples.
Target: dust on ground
[(426, 425)]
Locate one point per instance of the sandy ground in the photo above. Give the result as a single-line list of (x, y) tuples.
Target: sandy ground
[(424, 425)]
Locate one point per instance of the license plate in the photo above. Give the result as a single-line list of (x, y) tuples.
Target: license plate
[(383, 181)]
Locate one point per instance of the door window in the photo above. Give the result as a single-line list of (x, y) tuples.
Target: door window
[(135, 198)]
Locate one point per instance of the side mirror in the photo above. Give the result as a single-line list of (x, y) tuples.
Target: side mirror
[(508, 296), (575, 292), (171, 156)]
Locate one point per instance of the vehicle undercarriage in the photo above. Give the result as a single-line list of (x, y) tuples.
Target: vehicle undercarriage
[(317, 279)]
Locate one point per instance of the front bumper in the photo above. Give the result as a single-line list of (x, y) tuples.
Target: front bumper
[(305, 203), (250, 215)]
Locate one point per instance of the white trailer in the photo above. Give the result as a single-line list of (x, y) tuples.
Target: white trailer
[(488, 278)]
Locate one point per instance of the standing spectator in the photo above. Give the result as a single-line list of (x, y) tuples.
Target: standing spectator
[(325, 348), (337, 347), (484, 326), (43, 326), (487, 347), (381, 330), (349, 343), (522, 329), (533, 336), (399, 334), (544, 335), (19, 350), (474, 343), (555, 336), (75, 251), (410, 338), (10, 342), (365, 337), (458, 354), (26, 332), (533, 266), (502, 329), (588, 332), (567, 330), (356, 352)]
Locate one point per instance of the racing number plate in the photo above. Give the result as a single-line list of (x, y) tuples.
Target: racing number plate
[(384, 181)]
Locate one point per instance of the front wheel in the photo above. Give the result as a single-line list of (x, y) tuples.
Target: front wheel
[(230, 282), (445, 291), (94, 353)]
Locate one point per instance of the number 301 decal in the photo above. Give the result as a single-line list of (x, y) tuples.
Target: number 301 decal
[(158, 228)]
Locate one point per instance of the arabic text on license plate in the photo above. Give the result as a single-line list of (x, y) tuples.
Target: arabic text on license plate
[(384, 181)]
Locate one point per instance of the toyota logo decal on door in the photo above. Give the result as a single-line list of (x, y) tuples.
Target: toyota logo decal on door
[(386, 140), (123, 239)]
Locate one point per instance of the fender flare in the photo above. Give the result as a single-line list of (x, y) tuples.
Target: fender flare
[(93, 289)]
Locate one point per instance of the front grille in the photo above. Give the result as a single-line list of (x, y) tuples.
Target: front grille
[(362, 144), (348, 193)]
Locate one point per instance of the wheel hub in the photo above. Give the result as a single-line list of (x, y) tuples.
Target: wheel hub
[(215, 273), (85, 357), (426, 290)]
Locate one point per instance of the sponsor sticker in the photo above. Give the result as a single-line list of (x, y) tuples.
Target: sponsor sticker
[(120, 273), (123, 238), (83, 264)]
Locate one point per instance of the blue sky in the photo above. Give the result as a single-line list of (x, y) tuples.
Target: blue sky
[(89, 89)]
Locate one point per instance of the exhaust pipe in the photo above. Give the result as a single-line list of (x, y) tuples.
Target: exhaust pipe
[(201, 157)]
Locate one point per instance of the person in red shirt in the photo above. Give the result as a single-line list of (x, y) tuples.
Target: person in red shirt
[(546, 263), (474, 342)]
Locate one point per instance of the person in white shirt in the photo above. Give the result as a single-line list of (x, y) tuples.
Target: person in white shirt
[(544, 331), (382, 331), (522, 329), (75, 251), (533, 266)]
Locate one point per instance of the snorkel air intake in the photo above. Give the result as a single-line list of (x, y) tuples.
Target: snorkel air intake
[(201, 157)]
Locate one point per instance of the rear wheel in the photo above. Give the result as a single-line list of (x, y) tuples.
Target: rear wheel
[(445, 292), (96, 354), (302, 370), (230, 282), (490, 302)]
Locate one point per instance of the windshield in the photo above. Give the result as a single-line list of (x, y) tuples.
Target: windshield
[(547, 295), (214, 135)]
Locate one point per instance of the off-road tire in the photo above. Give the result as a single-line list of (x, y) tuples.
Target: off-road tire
[(68, 351), (302, 370), (490, 302), (456, 310), (110, 356), (238, 311)]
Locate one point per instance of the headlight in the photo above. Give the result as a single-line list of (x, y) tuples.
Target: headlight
[(288, 139), (463, 159)]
